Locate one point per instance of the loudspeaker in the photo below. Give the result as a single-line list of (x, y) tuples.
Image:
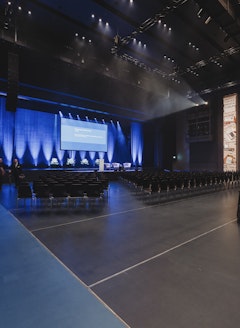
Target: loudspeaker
[(12, 84)]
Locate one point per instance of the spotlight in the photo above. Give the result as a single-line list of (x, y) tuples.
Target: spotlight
[(199, 13), (208, 20)]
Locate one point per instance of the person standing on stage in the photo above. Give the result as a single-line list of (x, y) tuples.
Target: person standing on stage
[(2, 172), (16, 171)]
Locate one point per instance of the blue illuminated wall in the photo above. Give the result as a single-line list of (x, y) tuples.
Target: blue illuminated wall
[(34, 138)]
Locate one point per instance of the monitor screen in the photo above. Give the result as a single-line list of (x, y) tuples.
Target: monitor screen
[(82, 135)]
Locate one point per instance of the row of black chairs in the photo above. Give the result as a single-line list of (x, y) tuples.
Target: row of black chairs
[(63, 189), (156, 186)]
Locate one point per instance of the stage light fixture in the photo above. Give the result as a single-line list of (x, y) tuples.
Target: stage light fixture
[(208, 20), (199, 13)]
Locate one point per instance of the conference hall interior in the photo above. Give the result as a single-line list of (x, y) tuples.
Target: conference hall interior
[(119, 163)]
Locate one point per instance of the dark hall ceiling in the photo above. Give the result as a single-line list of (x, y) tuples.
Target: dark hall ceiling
[(137, 59)]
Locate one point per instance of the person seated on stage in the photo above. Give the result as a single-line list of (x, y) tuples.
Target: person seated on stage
[(2, 172), (16, 171)]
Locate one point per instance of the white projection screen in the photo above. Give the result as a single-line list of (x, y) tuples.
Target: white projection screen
[(83, 135)]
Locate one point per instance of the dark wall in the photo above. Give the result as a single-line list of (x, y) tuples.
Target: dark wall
[(206, 154), (160, 142), (110, 87)]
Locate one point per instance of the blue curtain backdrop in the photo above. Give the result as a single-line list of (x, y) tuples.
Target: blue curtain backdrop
[(34, 138)]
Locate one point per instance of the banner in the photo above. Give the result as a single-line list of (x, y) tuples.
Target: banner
[(230, 133)]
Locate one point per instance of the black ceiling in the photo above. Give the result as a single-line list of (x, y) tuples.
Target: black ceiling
[(149, 57)]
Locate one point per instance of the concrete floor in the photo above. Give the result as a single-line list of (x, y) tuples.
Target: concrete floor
[(169, 265)]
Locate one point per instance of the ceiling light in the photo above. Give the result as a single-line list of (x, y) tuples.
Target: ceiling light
[(29, 12), (93, 16), (199, 13), (208, 20)]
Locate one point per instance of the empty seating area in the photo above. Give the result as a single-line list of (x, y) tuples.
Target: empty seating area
[(63, 189), (67, 189), (153, 186)]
